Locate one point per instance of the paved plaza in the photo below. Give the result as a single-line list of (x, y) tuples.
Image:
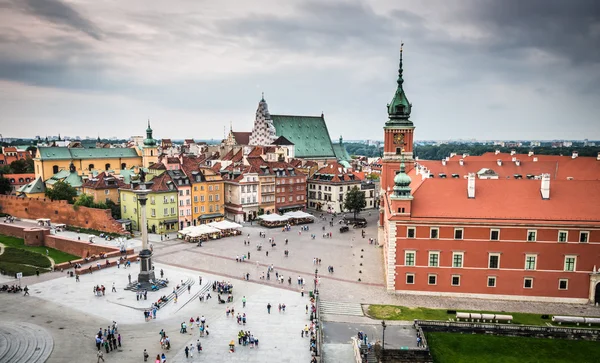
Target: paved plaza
[(71, 314)]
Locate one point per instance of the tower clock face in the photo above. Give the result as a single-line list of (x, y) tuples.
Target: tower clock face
[(399, 139)]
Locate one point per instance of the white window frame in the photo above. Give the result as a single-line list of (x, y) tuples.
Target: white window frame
[(527, 279), (494, 278), (431, 229), (414, 253), (574, 263), (534, 264), (406, 279), (431, 253), (489, 260), (414, 229), (566, 236), (494, 230), (566, 286), (429, 276), (452, 280), (534, 231), (462, 259), (587, 234), (462, 233)]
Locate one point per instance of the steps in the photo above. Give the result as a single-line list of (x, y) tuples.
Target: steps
[(340, 308), (182, 289), (24, 343), (370, 355)]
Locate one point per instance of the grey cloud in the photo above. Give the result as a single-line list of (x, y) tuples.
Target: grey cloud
[(60, 13)]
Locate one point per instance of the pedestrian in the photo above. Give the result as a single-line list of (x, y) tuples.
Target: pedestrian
[(191, 350), (189, 289), (302, 292), (129, 277), (114, 289), (37, 271), (267, 253), (26, 289), (100, 355), (199, 280), (162, 273), (198, 346), (248, 254), (269, 308), (145, 355), (244, 301), (76, 278), (306, 309), (119, 339), (187, 352)]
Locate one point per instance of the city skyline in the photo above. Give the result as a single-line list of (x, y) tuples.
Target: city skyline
[(472, 69)]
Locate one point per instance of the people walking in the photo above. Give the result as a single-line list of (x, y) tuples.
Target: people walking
[(269, 308), (26, 289), (100, 356), (145, 355)]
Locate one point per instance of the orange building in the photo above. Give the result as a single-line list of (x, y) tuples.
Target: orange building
[(495, 226)]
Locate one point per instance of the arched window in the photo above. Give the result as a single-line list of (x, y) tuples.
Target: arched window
[(107, 167), (20, 180), (151, 152), (91, 167), (55, 169), (123, 166)]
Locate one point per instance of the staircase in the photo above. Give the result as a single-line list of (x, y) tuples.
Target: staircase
[(24, 343), (182, 289), (370, 355), (340, 308)]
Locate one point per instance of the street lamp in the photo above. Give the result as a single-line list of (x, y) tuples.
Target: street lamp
[(316, 276), (383, 326)]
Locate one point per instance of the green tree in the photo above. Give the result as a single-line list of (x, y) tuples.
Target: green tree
[(355, 201), (115, 209), (32, 150), (5, 187), (62, 191), (19, 166), (85, 200)]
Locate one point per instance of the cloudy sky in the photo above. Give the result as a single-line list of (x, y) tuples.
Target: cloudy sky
[(472, 69)]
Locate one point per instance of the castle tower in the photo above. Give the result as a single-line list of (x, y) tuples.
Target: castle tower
[(398, 135), (263, 132)]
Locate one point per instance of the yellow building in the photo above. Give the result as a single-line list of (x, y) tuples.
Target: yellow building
[(207, 195), (103, 187), (34, 189), (51, 160)]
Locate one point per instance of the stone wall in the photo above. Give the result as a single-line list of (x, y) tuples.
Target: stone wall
[(60, 212), (406, 356), (77, 248)]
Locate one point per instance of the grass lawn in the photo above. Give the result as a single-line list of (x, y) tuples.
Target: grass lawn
[(392, 312), (11, 269), (457, 348), (56, 255), (15, 255)]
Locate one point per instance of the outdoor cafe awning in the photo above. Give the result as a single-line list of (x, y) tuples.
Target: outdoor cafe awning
[(223, 225), (210, 216)]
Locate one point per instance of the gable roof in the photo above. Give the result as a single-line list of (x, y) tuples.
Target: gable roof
[(507, 199), (309, 134), (64, 153), (103, 181), (335, 173), (36, 186), (242, 137), (281, 140)]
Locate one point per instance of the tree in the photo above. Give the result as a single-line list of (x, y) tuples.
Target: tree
[(355, 201), (32, 150), (19, 166), (5, 187), (62, 191), (85, 200)]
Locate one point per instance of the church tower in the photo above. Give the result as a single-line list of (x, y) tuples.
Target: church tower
[(398, 136), (149, 149), (263, 132)]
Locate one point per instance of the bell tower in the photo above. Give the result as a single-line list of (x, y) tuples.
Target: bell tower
[(398, 135)]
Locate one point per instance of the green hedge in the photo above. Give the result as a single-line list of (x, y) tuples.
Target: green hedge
[(15, 255)]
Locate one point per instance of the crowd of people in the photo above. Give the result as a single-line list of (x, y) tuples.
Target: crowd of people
[(108, 339)]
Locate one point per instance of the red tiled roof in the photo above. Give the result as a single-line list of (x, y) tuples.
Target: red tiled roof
[(239, 156), (256, 151), (335, 169), (27, 178), (157, 166), (228, 156), (512, 199), (159, 184), (242, 138), (100, 181), (216, 167)]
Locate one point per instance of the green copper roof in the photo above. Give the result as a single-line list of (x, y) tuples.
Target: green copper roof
[(64, 153), (36, 186), (402, 184), (71, 178), (399, 109), (340, 152), (149, 141), (308, 133)]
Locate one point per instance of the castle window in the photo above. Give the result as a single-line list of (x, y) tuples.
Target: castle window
[(123, 166), (91, 167), (107, 167), (55, 169), (151, 152)]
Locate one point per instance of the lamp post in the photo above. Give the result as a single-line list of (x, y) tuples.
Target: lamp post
[(316, 276), (383, 325)]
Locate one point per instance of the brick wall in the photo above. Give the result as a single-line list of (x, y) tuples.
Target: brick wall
[(60, 212), (77, 248)]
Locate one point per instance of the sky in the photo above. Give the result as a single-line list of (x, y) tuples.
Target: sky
[(482, 69)]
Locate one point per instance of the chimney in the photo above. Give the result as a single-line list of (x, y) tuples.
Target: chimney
[(545, 189), (465, 155), (444, 162), (461, 162), (513, 152), (448, 159), (598, 157), (471, 185), (497, 152), (514, 158), (499, 162), (530, 153), (575, 155), (452, 155), (535, 159), (518, 162)]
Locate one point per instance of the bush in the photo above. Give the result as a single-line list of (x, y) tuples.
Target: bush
[(17, 256)]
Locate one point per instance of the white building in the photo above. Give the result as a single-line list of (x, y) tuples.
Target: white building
[(327, 188)]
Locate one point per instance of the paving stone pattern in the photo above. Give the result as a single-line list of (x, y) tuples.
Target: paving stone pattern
[(24, 343)]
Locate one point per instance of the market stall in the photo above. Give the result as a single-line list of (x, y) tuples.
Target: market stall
[(227, 228), (200, 233), (273, 220), (299, 217)]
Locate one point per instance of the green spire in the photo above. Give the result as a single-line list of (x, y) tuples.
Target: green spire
[(399, 109), (149, 141), (402, 183)]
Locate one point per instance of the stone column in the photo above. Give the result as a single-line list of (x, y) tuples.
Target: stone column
[(146, 273)]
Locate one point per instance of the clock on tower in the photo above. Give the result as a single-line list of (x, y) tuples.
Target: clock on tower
[(399, 139)]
